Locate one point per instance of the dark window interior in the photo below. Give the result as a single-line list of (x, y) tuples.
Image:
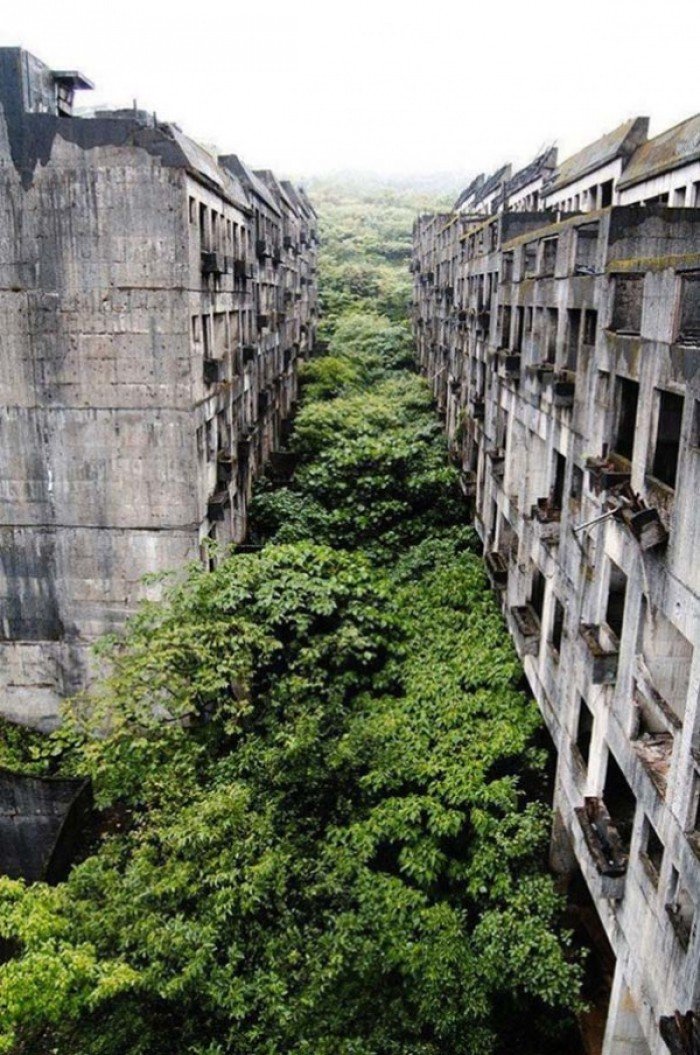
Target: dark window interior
[(559, 476), (590, 325), (619, 801), (531, 258), (668, 438), (584, 732), (654, 849), (617, 591), (552, 324), (627, 304), (537, 592), (606, 190), (557, 625), (519, 322), (573, 334), (627, 399), (576, 482)]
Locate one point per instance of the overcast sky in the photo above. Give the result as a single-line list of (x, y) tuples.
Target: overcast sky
[(393, 86)]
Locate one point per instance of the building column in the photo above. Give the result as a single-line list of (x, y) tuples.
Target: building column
[(623, 1032)]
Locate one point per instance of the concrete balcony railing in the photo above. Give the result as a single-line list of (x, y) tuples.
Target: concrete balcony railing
[(216, 506), (546, 521), (604, 846), (496, 569), (601, 652), (526, 629), (497, 457), (606, 474)]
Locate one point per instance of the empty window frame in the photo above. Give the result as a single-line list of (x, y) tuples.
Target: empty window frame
[(551, 335), (668, 656), (617, 593), (573, 336), (537, 593), (628, 294), (619, 801), (653, 851), (586, 249), (505, 326), (559, 476), (606, 194), (590, 326), (626, 400), (530, 258), (549, 256), (584, 731), (689, 321), (668, 437), (557, 626)]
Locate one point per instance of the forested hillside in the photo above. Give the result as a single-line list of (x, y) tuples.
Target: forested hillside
[(321, 788)]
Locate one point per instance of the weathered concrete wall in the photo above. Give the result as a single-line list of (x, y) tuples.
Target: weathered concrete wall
[(149, 349)]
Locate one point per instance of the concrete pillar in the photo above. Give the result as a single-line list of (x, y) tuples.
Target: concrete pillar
[(623, 1032)]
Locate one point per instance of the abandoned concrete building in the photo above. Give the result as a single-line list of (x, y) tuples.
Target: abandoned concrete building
[(154, 303), (563, 348)]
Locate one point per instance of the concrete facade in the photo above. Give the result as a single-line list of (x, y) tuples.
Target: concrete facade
[(563, 350), (154, 304)]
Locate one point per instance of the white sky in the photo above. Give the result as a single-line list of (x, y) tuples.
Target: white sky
[(393, 86)]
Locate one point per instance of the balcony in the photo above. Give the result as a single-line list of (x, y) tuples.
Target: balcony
[(262, 249), (601, 653), (645, 524), (263, 320), (604, 845), (497, 569), (526, 629), (250, 351), (605, 474), (542, 370), (242, 269), (546, 520), (224, 466), (213, 263), (564, 389), (681, 1033), (216, 506)]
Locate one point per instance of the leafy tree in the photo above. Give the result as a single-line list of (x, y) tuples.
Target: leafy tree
[(321, 826)]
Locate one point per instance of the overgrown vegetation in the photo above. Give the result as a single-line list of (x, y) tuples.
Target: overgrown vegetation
[(329, 791)]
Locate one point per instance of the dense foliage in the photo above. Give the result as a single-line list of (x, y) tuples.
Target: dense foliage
[(322, 829)]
